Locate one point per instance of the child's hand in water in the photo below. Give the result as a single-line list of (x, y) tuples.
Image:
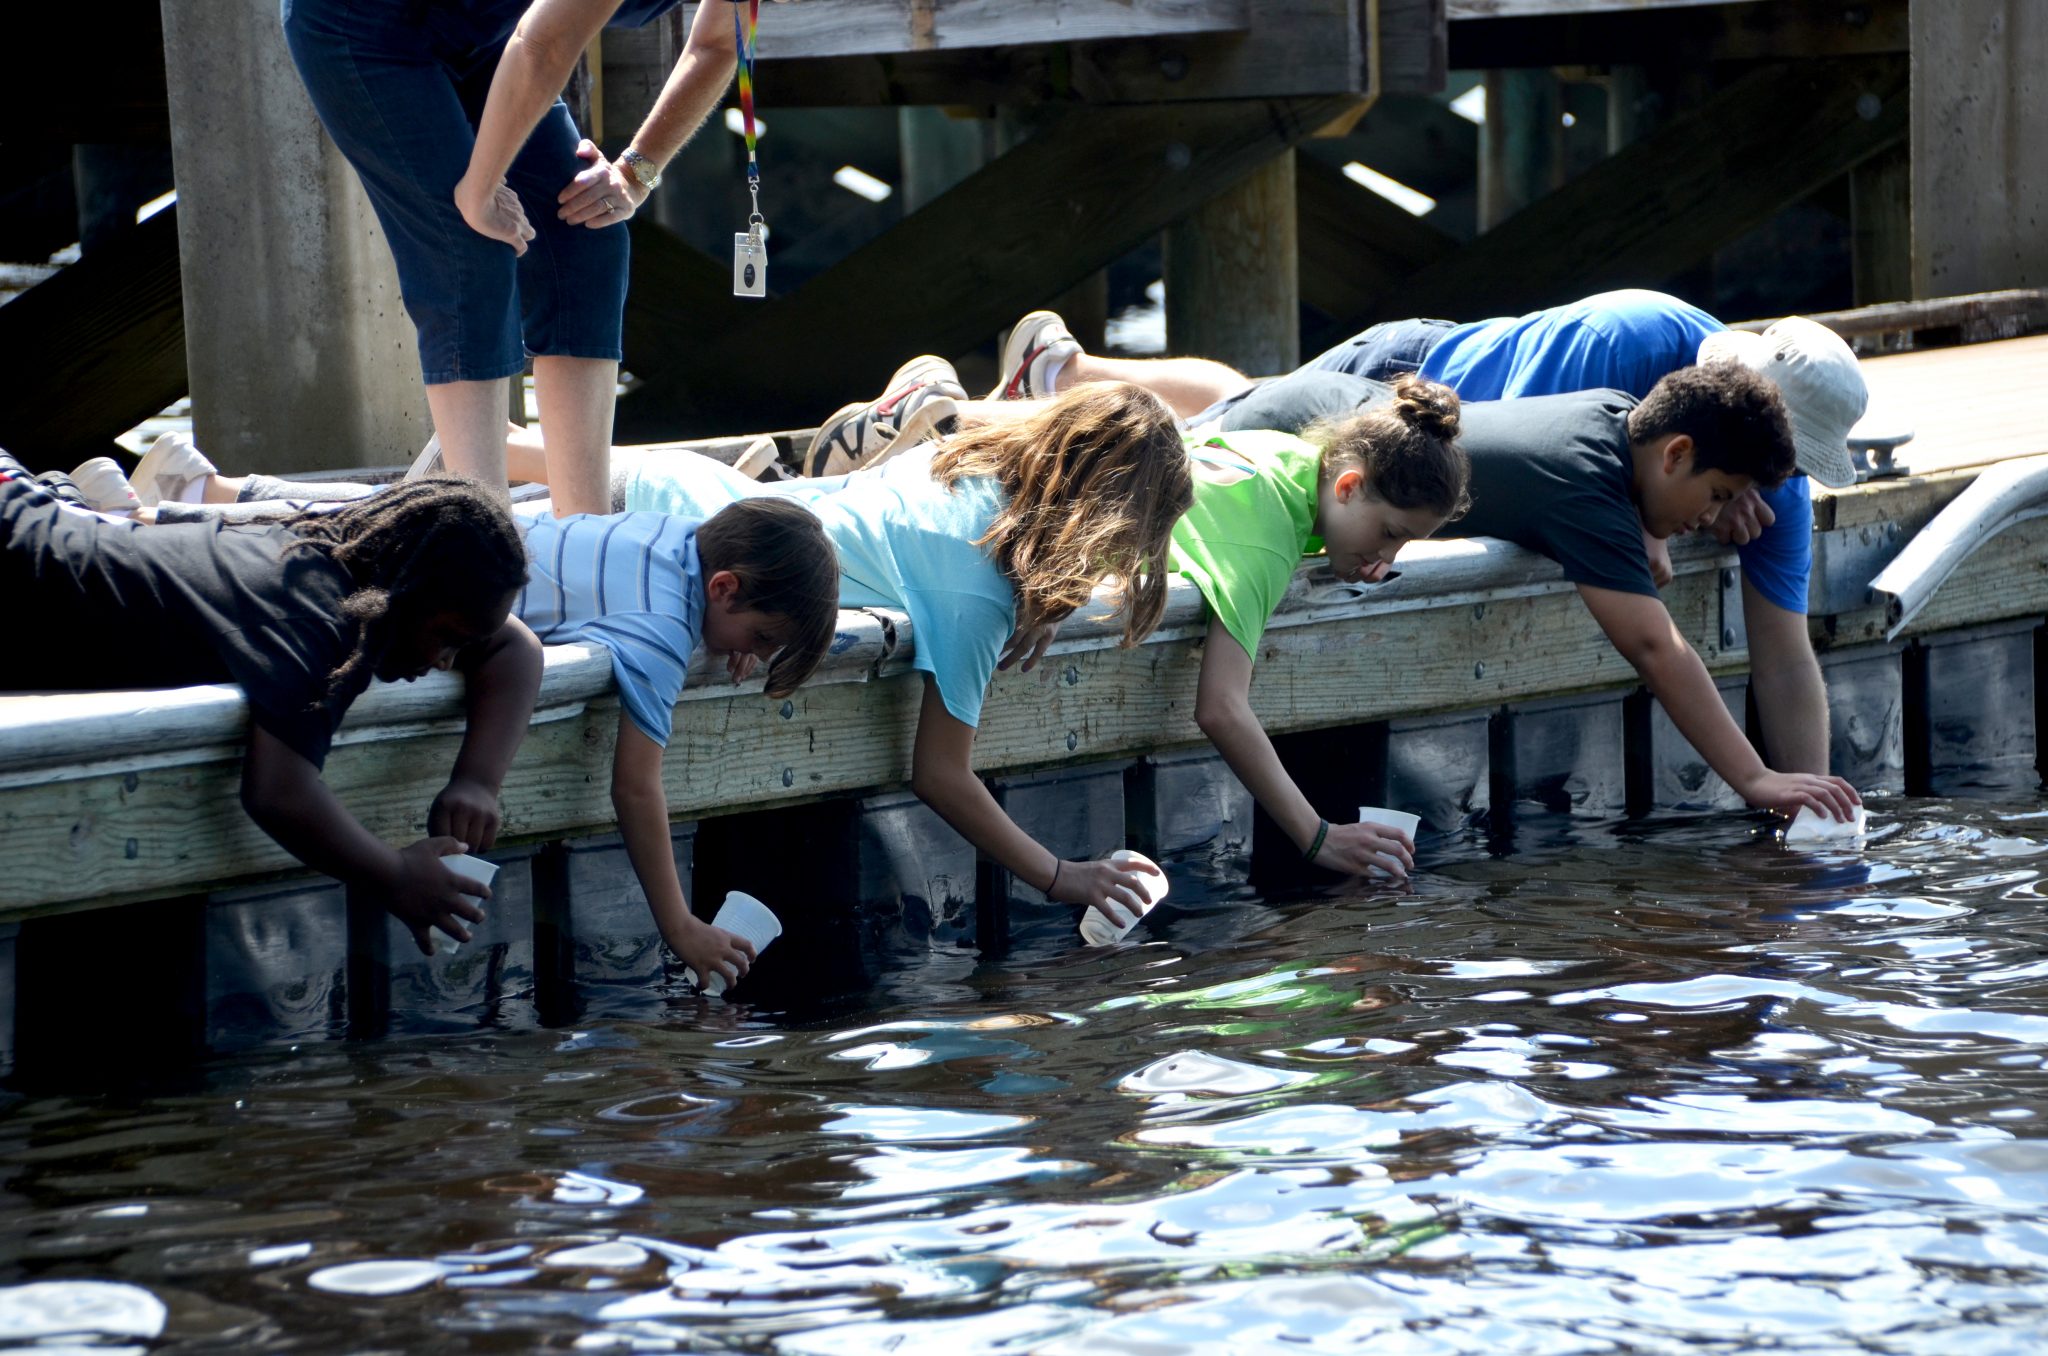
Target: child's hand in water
[(1353, 848), (467, 810), (426, 894), (705, 948), (1786, 792), (1118, 890)]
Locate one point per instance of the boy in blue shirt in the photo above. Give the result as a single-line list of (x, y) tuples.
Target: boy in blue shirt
[(755, 582)]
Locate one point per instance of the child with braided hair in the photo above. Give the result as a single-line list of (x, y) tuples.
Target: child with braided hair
[(302, 614)]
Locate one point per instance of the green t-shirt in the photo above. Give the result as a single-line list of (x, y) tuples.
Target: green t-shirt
[(1252, 521)]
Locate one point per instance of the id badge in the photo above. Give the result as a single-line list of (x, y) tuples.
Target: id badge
[(749, 265)]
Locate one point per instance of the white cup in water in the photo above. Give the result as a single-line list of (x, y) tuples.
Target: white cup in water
[(470, 868), (1097, 927), (1809, 829), (1390, 819), (750, 918)]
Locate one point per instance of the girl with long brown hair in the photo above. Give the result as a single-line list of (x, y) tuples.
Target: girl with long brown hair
[(978, 536)]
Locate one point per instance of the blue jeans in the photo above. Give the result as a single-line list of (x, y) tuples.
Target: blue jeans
[(1385, 351), (400, 86)]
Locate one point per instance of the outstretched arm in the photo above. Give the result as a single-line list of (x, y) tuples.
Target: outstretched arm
[(503, 678), (1791, 695), (642, 807), (283, 793), (1223, 709), (942, 775), (1642, 630)]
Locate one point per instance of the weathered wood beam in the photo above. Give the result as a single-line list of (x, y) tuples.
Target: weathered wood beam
[(870, 27), (1980, 120), (94, 350), (1521, 9), (1355, 245), (1939, 321), (1414, 46), (1774, 30), (1295, 48), (1084, 191), (1672, 197)]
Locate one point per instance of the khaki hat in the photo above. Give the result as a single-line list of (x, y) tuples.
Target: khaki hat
[(1816, 374)]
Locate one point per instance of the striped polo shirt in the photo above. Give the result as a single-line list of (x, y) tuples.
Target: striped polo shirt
[(630, 582)]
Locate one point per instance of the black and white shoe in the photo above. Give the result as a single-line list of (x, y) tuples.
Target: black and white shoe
[(920, 403)]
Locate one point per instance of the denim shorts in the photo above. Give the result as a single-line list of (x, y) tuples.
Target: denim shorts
[(400, 86), (1385, 351)]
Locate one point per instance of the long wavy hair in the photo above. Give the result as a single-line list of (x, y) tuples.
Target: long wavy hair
[(1092, 486)]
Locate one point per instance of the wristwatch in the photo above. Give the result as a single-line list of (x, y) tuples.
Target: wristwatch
[(643, 170)]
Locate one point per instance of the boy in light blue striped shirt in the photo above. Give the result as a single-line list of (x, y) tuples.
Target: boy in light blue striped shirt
[(755, 582)]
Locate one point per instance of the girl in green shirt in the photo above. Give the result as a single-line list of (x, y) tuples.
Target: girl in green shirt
[(1359, 487)]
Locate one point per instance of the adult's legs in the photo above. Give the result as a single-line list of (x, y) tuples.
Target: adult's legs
[(398, 113), (469, 417), (576, 398), (572, 292)]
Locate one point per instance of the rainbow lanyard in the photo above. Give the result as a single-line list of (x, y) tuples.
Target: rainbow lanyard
[(743, 34)]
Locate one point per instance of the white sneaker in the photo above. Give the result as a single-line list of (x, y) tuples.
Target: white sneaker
[(1038, 346), (428, 462), (168, 469), (104, 486)]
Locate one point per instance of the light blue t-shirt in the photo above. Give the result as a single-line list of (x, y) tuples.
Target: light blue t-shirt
[(1629, 341), (630, 582), (904, 541)]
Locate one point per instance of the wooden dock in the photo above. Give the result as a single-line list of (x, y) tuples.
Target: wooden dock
[(1476, 680)]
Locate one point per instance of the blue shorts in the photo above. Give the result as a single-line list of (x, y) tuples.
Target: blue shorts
[(1385, 351), (400, 85), (1779, 563)]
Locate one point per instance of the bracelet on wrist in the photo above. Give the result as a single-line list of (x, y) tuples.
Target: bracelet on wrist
[(1322, 832), (1056, 865)]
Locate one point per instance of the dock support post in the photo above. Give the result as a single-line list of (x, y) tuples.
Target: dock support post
[(1338, 770), (1881, 228), (1980, 117), (298, 348), (1233, 287)]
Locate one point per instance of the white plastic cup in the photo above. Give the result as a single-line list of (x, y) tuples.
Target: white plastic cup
[(1390, 819), (469, 868), (475, 868), (750, 918), (1097, 927), (1809, 829)]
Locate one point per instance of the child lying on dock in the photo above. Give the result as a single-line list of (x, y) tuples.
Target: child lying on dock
[(302, 614), (974, 537), (1624, 340), (756, 581), (1580, 478), (1360, 486)]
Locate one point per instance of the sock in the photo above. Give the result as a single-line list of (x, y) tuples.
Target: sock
[(193, 491), (1052, 374)]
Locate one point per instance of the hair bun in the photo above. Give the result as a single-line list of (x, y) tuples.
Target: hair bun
[(1428, 407)]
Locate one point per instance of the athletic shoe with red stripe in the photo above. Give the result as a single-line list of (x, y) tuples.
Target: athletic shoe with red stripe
[(1038, 345)]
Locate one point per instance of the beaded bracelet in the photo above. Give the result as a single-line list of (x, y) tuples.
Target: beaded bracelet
[(1322, 832)]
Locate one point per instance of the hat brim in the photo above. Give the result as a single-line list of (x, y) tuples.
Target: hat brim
[(1826, 459)]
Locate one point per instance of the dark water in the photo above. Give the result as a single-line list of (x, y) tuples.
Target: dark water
[(1649, 1087)]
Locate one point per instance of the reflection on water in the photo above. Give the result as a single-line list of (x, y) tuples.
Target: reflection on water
[(1645, 1087)]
